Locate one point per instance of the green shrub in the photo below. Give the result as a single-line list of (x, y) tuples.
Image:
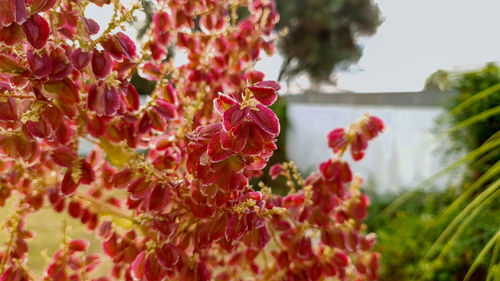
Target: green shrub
[(467, 85), (405, 237)]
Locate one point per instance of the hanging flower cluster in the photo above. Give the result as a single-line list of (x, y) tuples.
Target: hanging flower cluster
[(166, 187)]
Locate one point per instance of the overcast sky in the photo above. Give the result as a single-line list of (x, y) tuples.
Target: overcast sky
[(421, 36), (417, 38)]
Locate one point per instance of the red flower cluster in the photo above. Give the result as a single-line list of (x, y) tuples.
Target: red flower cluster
[(360, 134), (166, 187), (223, 155)]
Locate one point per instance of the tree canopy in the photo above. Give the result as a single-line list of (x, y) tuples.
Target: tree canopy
[(323, 35)]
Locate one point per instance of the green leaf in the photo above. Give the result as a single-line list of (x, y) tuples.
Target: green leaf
[(476, 118), (481, 255), (116, 154), (479, 202), (483, 94), (493, 267)]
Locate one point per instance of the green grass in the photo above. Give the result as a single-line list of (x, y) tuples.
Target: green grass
[(48, 227)]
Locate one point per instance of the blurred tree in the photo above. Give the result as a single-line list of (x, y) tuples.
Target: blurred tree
[(467, 85), (323, 35), (437, 81)]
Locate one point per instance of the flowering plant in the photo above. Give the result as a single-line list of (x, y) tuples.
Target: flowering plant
[(166, 186)]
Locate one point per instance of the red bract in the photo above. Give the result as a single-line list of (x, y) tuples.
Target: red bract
[(101, 63), (119, 46), (10, 65), (11, 34), (41, 5), (37, 31), (370, 127), (9, 110), (80, 59), (275, 171), (183, 159), (131, 97), (234, 116), (168, 256), (266, 120), (90, 25), (64, 90), (40, 66), (78, 245), (61, 66), (64, 156), (165, 109), (265, 91), (104, 100), (12, 11), (337, 139)]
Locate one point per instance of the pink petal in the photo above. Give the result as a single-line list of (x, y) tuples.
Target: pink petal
[(161, 21), (61, 65), (358, 146), (9, 110), (41, 128), (63, 156), (78, 245), (137, 266), (8, 64), (170, 94), (255, 76), (265, 92), (100, 3), (41, 5), (21, 12), (80, 59), (269, 84), (275, 171), (159, 198), (165, 109), (223, 103), (101, 63), (167, 255), (131, 97), (236, 139), (104, 100), (37, 31), (235, 228), (337, 139), (119, 45), (215, 150), (65, 90), (39, 66), (90, 25), (11, 34), (7, 12), (151, 72), (330, 169), (266, 120), (125, 44), (234, 116)]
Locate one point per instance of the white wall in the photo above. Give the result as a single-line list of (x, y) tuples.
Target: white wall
[(402, 156)]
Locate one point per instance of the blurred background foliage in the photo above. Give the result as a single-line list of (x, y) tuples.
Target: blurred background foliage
[(405, 236), (466, 85), (422, 239)]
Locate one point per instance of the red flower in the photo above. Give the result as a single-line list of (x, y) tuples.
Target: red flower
[(36, 29)]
